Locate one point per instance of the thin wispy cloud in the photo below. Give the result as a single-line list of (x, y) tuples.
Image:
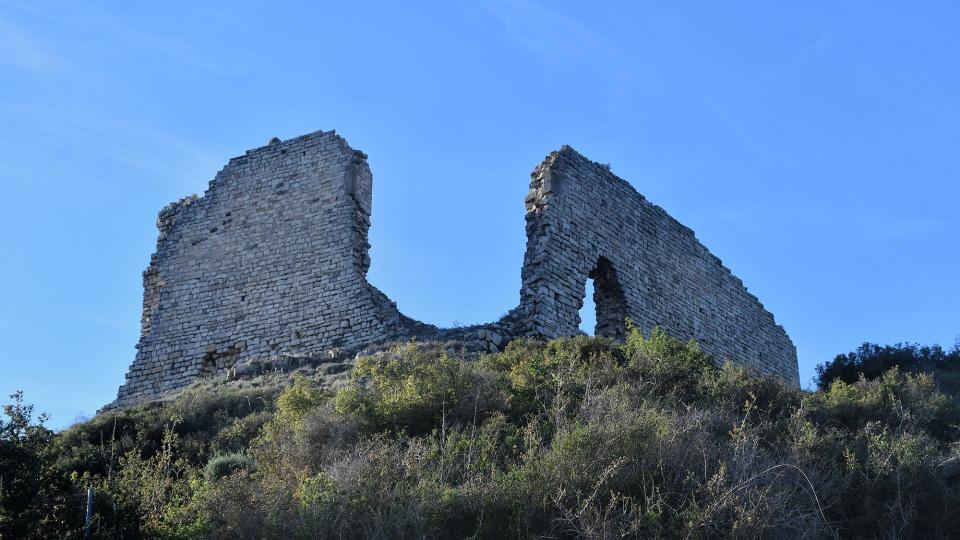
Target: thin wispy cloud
[(156, 151), (19, 50), (77, 99), (97, 25), (549, 32), (179, 49)]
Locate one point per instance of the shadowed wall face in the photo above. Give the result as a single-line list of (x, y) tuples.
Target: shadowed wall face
[(585, 222)]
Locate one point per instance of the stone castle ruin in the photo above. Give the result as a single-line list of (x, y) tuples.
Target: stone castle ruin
[(272, 261)]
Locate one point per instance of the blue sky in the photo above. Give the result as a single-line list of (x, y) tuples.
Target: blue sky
[(812, 146)]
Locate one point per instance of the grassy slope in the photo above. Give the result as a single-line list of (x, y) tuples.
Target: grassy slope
[(572, 438)]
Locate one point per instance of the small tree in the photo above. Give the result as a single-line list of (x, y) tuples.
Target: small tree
[(33, 496)]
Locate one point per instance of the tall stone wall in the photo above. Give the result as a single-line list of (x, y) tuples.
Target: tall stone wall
[(585, 222), (273, 259)]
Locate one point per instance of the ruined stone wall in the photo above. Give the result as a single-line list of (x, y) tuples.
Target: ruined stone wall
[(272, 261), (585, 222)]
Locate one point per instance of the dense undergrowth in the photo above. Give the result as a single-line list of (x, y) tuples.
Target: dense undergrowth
[(574, 438)]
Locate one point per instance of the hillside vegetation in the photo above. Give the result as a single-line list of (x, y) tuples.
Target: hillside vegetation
[(574, 438), (872, 361)]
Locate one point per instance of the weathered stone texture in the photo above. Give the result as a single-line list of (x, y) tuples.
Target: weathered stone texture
[(272, 260), (584, 221)]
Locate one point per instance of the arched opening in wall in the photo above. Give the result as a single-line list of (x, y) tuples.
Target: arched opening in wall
[(608, 305)]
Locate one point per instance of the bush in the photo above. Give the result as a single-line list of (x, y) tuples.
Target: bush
[(669, 367), (227, 464), (406, 390)]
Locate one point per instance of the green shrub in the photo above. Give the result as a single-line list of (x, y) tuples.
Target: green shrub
[(238, 434), (550, 376), (667, 366), (895, 400), (227, 464), (408, 391)]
